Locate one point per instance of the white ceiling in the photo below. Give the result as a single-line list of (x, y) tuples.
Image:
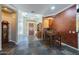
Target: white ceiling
[(44, 9)]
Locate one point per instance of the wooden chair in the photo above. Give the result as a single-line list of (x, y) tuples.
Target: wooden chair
[(57, 39)]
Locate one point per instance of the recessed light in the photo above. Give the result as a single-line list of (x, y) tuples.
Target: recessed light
[(5, 8), (24, 13), (53, 7)]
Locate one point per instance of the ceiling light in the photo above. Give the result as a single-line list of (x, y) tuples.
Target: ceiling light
[(53, 7), (24, 13), (5, 8)]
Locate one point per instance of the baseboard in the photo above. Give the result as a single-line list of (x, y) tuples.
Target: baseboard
[(70, 46)]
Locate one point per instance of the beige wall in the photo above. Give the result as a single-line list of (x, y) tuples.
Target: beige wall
[(11, 18)]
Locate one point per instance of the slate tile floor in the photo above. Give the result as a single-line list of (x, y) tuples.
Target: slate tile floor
[(32, 46)]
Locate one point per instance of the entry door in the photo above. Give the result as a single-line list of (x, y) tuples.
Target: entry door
[(31, 29)]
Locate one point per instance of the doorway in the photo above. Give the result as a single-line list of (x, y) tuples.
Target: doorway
[(31, 29)]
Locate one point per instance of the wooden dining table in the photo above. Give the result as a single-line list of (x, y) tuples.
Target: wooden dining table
[(53, 37)]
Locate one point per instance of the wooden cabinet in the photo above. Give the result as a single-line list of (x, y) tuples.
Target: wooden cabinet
[(5, 33)]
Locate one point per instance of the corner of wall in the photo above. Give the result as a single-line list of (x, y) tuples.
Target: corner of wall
[(0, 29)]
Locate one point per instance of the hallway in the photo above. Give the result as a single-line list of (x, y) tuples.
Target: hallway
[(39, 29), (32, 46)]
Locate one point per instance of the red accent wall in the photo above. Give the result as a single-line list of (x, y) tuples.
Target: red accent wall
[(66, 22)]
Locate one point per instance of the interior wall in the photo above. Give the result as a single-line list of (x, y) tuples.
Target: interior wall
[(66, 22), (0, 29), (11, 18), (48, 22), (77, 26), (20, 24)]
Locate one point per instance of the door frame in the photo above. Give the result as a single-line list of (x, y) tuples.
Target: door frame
[(27, 27)]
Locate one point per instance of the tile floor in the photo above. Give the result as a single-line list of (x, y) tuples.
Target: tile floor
[(32, 46)]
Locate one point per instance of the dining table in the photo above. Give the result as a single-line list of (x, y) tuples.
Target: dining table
[(53, 37)]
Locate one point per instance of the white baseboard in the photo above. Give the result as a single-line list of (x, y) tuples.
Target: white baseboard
[(70, 46)]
